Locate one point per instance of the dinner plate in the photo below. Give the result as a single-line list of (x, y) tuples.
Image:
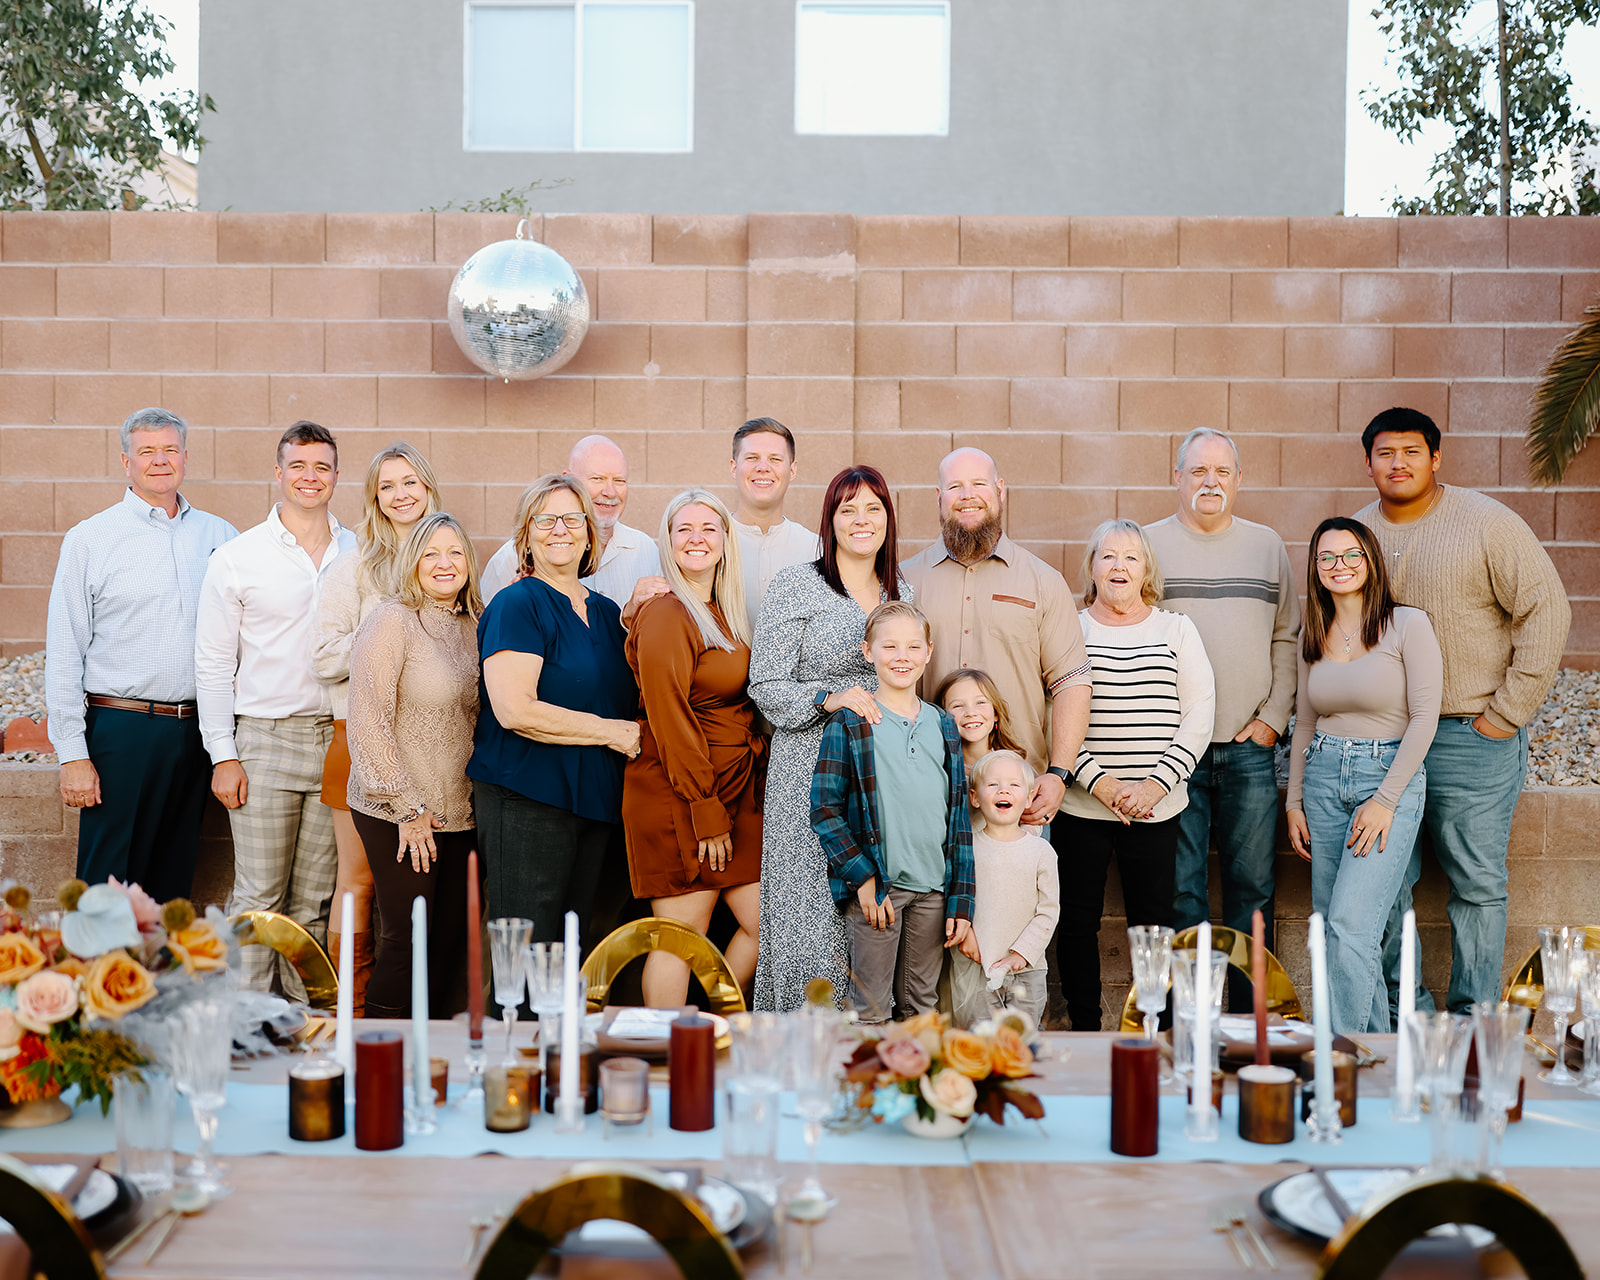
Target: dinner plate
[(1299, 1203), (102, 1199), (732, 1210)]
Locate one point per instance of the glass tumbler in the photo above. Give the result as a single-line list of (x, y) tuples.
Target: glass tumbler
[(142, 1114)]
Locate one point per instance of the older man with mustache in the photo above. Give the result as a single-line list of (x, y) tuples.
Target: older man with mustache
[(1001, 609), (1233, 580)]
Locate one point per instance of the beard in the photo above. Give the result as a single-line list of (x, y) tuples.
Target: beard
[(971, 545)]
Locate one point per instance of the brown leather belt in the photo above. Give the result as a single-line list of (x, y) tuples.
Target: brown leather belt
[(182, 710)]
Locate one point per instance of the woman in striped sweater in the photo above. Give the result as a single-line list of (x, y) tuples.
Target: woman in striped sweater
[(1149, 722)]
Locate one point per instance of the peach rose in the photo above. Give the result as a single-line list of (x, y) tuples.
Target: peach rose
[(967, 1053), (46, 999), (117, 984), (928, 1028), (10, 1030), (146, 910), (906, 1057), (19, 958), (1011, 1055), (950, 1092), (199, 947)]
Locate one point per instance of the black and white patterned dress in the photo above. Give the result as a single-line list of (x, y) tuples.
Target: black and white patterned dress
[(808, 640)]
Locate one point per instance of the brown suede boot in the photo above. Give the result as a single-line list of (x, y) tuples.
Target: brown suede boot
[(362, 964)]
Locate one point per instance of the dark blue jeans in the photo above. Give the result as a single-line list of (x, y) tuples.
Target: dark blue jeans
[(1234, 796)]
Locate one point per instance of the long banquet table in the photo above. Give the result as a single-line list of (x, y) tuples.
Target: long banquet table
[(397, 1216)]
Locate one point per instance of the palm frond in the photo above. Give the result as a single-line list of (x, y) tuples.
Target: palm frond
[(1566, 407)]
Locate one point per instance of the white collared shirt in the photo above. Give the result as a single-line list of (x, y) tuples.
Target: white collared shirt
[(258, 606), (763, 554), (122, 611), (629, 556)]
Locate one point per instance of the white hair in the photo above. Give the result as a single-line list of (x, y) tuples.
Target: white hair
[(1201, 433), (153, 419)]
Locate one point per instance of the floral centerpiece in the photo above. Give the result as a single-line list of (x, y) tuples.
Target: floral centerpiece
[(83, 989), (924, 1070)]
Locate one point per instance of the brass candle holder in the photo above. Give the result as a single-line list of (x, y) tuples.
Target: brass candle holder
[(1266, 1104), (508, 1098), (1344, 1085), (316, 1100), (439, 1077)]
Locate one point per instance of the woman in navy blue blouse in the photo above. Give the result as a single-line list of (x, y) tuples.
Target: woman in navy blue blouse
[(556, 723)]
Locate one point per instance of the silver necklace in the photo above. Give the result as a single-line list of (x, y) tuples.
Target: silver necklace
[(1347, 641)]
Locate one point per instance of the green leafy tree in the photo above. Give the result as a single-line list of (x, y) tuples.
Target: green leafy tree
[(1447, 52), (75, 131)]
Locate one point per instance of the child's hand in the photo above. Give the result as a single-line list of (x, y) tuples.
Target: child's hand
[(879, 915), (956, 934), (969, 948), (1015, 961)]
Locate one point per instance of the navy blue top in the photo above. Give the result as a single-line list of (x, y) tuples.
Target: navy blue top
[(584, 670)]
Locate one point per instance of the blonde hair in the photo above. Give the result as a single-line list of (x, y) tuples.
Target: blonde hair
[(979, 771), (891, 609), (533, 499), (408, 588), (1153, 587), (727, 585), (376, 533)]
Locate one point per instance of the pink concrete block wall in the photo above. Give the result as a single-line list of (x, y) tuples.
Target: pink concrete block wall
[(1076, 350)]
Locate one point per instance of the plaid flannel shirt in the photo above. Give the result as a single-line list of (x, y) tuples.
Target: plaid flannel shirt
[(844, 814)]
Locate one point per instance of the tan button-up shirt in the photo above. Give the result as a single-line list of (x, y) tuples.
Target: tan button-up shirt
[(1010, 615)]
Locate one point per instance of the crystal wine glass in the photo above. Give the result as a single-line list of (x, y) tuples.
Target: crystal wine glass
[(1183, 962), (814, 1053), (202, 1044), (544, 962), (1499, 1029), (508, 940), (1150, 952), (1589, 990), (1561, 953), (1439, 1044)]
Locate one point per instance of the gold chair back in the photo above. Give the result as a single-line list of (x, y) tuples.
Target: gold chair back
[(1281, 996), (1526, 984), (290, 940), (61, 1245), (625, 1193), (628, 942), (1372, 1238)]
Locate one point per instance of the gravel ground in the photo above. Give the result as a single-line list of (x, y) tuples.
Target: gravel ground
[(1564, 738)]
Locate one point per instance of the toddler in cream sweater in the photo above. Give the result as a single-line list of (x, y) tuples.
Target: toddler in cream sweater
[(1018, 900)]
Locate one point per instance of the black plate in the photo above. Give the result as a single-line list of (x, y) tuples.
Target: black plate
[(757, 1221), (1444, 1245), (118, 1217)]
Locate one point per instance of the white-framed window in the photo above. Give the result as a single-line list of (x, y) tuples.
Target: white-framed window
[(579, 75), (872, 67)]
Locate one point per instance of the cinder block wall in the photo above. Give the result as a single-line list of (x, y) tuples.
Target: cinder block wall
[(1077, 350)]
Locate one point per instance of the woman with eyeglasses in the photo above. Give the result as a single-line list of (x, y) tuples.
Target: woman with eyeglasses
[(556, 720), (1371, 680)]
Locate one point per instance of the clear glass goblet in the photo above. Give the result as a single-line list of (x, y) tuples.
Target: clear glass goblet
[(1500, 1030), (508, 940), (202, 1053), (1589, 991), (817, 1060), (1150, 953), (1439, 1045), (544, 962), (1561, 954)]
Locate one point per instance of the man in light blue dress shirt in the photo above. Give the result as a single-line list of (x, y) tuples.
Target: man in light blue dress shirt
[(119, 668)]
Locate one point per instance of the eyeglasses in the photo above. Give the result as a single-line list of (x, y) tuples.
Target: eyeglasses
[(1352, 557), (546, 522)]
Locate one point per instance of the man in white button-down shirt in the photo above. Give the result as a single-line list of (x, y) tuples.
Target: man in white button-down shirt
[(763, 467), (265, 718), (119, 668)]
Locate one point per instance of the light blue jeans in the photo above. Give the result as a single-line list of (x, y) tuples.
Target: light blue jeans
[(1354, 895)]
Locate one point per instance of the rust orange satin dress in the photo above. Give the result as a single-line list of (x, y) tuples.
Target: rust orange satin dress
[(701, 761)]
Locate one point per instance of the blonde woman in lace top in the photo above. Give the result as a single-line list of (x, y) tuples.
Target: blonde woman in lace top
[(399, 490), (413, 705)]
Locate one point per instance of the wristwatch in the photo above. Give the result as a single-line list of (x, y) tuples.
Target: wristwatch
[(1065, 775)]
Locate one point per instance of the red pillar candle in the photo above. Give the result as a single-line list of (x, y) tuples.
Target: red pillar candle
[(692, 1073), (380, 1078), (1258, 984), (1135, 1097), (474, 952)]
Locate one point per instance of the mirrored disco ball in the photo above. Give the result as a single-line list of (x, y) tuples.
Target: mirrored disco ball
[(518, 309)]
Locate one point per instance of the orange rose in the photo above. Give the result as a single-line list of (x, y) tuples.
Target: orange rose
[(199, 947), (71, 966), (967, 1053), (117, 984), (19, 958), (1012, 1057), (928, 1028)]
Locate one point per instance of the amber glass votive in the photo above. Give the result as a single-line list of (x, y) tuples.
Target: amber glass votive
[(1216, 1091), (508, 1098), (624, 1090), (316, 1100), (1135, 1097), (1266, 1103), (1344, 1085), (588, 1080), (439, 1078)]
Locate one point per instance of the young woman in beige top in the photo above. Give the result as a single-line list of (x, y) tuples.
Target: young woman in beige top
[(1370, 682), (399, 490), (413, 705)]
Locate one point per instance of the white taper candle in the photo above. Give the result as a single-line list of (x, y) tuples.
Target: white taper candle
[(1200, 1095), (571, 1018), (1322, 1008), (421, 1071), (344, 1035), (1405, 1067)]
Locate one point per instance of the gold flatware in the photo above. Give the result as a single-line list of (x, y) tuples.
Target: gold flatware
[(1240, 1219), (1222, 1221), (127, 1241), (185, 1203)]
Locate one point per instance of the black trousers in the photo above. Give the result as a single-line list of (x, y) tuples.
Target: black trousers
[(1146, 854), (154, 779), (395, 884)]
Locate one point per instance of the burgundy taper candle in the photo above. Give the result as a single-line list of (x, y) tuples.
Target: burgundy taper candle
[(1135, 1097), (474, 952), (380, 1082), (1258, 984), (692, 1073)]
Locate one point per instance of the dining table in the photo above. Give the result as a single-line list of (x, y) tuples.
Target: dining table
[(1024, 1202)]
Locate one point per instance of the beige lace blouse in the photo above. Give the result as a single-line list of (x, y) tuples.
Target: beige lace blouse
[(413, 706)]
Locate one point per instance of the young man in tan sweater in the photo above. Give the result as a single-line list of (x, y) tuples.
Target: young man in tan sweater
[(1500, 612)]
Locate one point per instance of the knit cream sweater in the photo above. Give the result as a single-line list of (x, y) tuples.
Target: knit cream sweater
[(1498, 607)]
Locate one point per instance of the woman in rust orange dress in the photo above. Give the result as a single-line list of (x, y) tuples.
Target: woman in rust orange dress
[(691, 798)]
